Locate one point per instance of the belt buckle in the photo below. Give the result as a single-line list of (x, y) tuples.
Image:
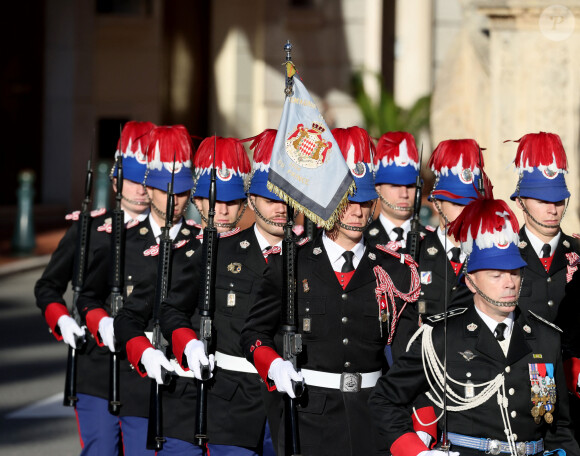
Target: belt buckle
[(350, 382), (493, 446), (521, 448)]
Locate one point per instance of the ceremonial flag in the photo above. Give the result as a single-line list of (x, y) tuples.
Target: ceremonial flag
[(307, 169)]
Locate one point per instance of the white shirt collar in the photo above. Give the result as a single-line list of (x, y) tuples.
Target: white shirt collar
[(450, 245), (389, 225), (157, 229), (537, 244), (142, 216), (262, 242), (491, 323), (335, 251)]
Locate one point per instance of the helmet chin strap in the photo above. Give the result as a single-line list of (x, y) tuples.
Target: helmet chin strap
[(264, 219), (161, 213), (493, 301), (393, 206), (359, 228), (136, 203), (229, 226), (525, 209)]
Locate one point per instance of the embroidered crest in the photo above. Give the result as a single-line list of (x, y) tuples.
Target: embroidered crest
[(143, 231), (185, 232), (432, 251), (374, 232), (426, 277), (471, 327), (189, 253), (244, 244), (306, 147), (317, 250), (372, 256), (466, 176), (566, 244), (468, 355), (235, 268), (527, 329), (522, 244)]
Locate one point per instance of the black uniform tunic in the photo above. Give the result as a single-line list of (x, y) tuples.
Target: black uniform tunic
[(341, 332), (474, 354)]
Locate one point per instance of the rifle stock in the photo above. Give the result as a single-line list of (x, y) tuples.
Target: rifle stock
[(70, 386)]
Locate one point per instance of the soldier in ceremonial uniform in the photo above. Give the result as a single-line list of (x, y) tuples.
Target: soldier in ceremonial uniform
[(344, 325), (236, 419), (457, 164), (99, 430), (140, 267), (397, 167), (504, 380)]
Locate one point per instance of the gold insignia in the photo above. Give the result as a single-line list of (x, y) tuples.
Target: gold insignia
[(471, 327), (305, 286), (189, 253), (235, 268), (372, 256), (317, 251), (566, 244), (374, 232), (432, 251), (143, 231), (244, 245), (527, 329), (522, 244), (185, 232)]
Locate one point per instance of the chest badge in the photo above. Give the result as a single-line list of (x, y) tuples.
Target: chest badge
[(471, 327), (235, 268), (527, 329), (372, 256), (305, 286), (143, 231), (522, 244), (432, 251), (189, 253), (468, 355), (566, 244), (374, 232), (185, 232), (244, 244), (426, 277), (317, 250)]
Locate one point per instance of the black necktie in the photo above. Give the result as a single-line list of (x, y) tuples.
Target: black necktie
[(455, 252), (499, 330), (399, 231), (348, 265), (546, 250)]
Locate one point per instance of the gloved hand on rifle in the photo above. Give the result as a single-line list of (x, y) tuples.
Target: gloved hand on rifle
[(196, 358), (153, 360), (282, 373), (70, 330), (107, 332)]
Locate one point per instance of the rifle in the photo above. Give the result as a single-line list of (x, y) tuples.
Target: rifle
[(70, 384), (292, 341), (414, 236), (155, 438), (207, 306), (118, 247)]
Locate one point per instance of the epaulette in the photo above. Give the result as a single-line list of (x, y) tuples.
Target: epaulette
[(430, 228), (576, 235), (98, 212), (303, 241), (76, 214), (543, 320), (193, 223), (450, 313)]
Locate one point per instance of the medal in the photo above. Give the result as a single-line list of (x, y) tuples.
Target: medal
[(231, 302), (548, 418), (535, 411), (537, 420), (469, 390), (306, 325)]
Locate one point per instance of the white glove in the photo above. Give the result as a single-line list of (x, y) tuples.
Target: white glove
[(425, 438), (107, 332), (196, 357), (154, 360), (578, 383), (282, 372), (438, 453), (69, 329)]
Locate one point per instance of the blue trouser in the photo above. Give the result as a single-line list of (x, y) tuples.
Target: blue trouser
[(134, 429), (99, 430)]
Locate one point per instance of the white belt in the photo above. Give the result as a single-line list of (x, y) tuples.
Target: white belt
[(234, 363), (346, 382)]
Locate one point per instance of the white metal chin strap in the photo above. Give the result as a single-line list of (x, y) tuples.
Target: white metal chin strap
[(435, 374)]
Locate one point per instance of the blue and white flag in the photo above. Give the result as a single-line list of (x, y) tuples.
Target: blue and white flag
[(307, 169)]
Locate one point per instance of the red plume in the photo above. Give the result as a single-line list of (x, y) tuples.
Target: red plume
[(229, 153), (262, 145), (135, 137), (540, 149), (388, 146), (169, 142), (448, 154), (364, 147)]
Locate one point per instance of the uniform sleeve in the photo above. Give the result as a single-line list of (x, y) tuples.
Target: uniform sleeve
[(179, 309), (389, 404), (96, 288), (262, 323)]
